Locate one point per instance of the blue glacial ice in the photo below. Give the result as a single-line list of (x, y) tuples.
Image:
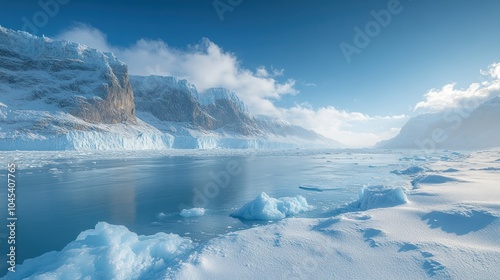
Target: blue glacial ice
[(264, 207)]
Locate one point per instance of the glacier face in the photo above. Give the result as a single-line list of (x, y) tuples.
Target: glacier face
[(58, 95), (475, 128)]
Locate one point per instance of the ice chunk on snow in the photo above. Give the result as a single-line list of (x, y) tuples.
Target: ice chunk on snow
[(107, 252), (449, 170), (193, 212), (268, 208), (379, 197), (409, 171)]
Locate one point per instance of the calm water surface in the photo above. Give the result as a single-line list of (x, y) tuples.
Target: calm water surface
[(61, 199)]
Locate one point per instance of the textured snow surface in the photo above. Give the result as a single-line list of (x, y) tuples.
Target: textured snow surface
[(264, 207)]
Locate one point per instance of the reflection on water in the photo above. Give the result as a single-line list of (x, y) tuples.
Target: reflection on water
[(57, 202)]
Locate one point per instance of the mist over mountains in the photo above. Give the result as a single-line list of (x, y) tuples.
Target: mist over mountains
[(475, 128)]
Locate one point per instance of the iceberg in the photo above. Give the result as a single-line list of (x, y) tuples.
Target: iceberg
[(379, 197), (264, 208), (409, 171), (108, 252), (193, 212)]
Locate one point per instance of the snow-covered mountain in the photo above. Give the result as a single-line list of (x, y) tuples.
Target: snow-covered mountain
[(175, 106), (477, 128), (58, 95), (41, 74)]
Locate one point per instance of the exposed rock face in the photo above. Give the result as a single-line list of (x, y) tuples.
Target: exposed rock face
[(216, 109), (170, 99), (39, 73), (116, 104), (228, 111)]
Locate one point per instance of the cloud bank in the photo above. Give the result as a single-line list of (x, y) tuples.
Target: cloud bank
[(207, 65)]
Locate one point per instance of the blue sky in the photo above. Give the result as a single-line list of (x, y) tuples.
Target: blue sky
[(425, 45)]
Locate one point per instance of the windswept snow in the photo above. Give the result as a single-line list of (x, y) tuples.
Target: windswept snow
[(432, 179), (266, 208)]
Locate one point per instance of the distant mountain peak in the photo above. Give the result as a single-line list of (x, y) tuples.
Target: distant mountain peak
[(477, 128)]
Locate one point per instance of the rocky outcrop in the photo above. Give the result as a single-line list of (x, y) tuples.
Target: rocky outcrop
[(38, 73), (215, 110), (170, 99)]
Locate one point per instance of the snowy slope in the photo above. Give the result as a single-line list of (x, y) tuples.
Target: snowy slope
[(459, 129)]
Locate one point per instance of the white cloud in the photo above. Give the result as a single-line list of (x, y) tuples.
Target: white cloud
[(309, 84), (449, 97), (493, 71), (207, 65), (351, 128)]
